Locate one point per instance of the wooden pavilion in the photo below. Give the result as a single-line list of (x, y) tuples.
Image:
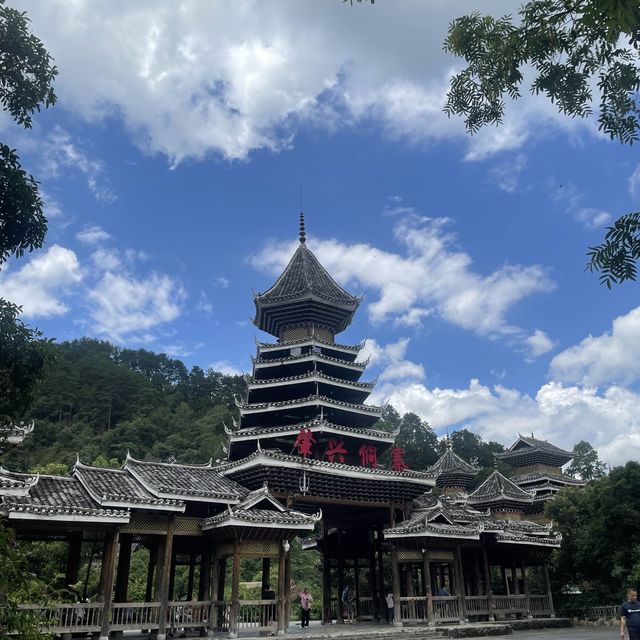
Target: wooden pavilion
[(304, 460)]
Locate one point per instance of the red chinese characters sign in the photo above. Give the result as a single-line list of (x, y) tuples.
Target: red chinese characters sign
[(304, 442), (397, 459), (368, 456), (335, 451)]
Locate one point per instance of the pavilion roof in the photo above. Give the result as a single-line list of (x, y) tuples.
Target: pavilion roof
[(13, 434), (16, 484), (59, 498), (175, 481), (261, 508), (540, 476), (118, 488), (527, 449), (496, 488), (451, 469)]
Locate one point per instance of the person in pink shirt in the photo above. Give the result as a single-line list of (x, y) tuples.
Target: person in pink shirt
[(305, 607)]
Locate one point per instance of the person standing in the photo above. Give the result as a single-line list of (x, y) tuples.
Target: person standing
[(630, 616), (391, 617), (347, 607), (305, 607)]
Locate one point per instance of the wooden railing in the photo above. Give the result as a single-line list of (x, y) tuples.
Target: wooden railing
[(413, 608), (446, 609), (257, 615), (188, 615), (477, 605), (510, 604), (365, 608), (540, 605), (68, 618), (136, 615), (220, 611)]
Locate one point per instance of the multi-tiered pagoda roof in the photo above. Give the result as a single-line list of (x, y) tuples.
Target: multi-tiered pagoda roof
[(498, 493), (305, 424), (452, 472), (537, 469)]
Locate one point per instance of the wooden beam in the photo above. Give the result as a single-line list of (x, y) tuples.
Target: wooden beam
[(549, 595), (395, 573), (459, 573), (124, 564), (73, 557), (235, 592), (282, 574), (427, 582)]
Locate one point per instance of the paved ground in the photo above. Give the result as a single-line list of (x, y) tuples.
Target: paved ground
[(574, 633)]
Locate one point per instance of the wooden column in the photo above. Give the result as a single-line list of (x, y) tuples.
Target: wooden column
[(153, 555), (459, 573), (356, 586), (164, 576), (505, 582), (192, 570), (381, 586), (282, 587), (266, 572), (214, 592), (487, 580), (525, 588), (340, 576), (373, 584), (395, 573), (204, 586), (514, 578), (124, 563), (73, 557), (548, 583), (476, 571), (235, 592), (287, 589), (326, 586), (426, 563), (172, 576), (107, 574)]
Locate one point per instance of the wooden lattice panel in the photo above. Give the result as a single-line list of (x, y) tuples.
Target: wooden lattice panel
[(187, 527), (145, 525), (409, 555), (254, 547)]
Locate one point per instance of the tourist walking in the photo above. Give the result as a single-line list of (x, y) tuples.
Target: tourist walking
[(391, 617), (630, 616), (347, 607), (305, 607)]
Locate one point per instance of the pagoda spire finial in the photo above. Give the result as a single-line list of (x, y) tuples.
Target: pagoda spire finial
[(303, 235)]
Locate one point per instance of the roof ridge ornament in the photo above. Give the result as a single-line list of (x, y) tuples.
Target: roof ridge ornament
[(303, 235)]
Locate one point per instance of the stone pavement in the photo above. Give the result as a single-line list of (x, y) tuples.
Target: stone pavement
[(574, 633)]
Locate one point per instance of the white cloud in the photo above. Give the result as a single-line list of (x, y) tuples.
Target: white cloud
[(561, 414), (429, 276), (592, 218), (572, 199), (634, 182), (212, 76), (106, 259), (223, 282), (613, 357), (538, 344), (57, 151), (506, 174), (125, 307), (390, 360), (38, 286), (226, 368), (92, 235)]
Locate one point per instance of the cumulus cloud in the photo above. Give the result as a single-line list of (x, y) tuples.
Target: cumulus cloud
[(613, 357), (538, 344), (226, 368), (507, 174), (92, 235), (572, 199), (390, 360), (561, 414), (430, 276), (40, 285), (229, 78), (127, 307)]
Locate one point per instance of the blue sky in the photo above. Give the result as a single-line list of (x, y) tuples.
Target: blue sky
[(172, 167)]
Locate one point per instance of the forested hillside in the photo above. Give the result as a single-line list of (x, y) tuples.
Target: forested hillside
[(99, 401)]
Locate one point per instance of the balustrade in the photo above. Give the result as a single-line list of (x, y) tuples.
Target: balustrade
[(413, 608), (539, 605), (365, 608), (139, 615), (68, 618), (477, 605), (257, 615), (446, 609)]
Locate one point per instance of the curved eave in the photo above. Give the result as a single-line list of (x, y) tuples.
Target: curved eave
[(433, 532), (310, 401), (271, 459), (51, 514), (310, 357), (270, 347), (315, 426), (530, 457), (504, 538), (500, 498), (309, 309), (311, 376), (240, 522)]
